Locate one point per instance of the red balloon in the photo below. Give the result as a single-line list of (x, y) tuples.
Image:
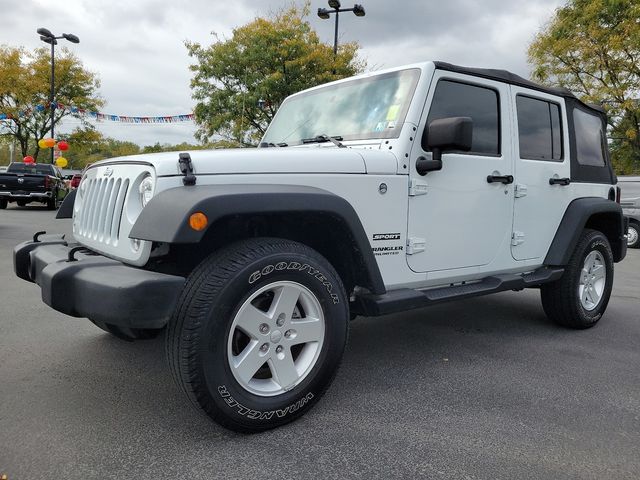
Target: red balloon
[(28, 159), (62, 145)]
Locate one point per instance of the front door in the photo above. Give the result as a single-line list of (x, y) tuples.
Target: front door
[(459, 218)]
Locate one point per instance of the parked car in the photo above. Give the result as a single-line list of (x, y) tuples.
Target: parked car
[(25, 183), (256, 259), (75, 180), (630, 190)]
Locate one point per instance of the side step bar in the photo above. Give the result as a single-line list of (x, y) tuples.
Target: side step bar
[(408, 299)]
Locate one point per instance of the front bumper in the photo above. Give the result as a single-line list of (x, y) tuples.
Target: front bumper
[(95, 286)]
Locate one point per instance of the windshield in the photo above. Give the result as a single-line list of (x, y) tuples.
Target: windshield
[(42, 169), (373, 107)]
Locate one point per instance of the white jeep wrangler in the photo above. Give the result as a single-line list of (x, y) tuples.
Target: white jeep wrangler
[(372, 195)]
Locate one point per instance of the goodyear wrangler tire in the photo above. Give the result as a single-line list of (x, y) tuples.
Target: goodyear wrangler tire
[(258, 333), (580, 297)]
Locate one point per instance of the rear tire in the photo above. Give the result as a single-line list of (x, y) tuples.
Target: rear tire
[(258, 333), (633, 236), (126, 333), (3, 204), (580, 297), (52, 203)]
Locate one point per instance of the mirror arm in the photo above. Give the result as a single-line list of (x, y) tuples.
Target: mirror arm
[(424, 165)]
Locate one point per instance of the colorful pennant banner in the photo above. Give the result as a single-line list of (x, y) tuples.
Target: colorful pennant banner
[(99, 116)]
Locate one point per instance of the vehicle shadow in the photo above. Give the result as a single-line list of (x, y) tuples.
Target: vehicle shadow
[(127, 383)]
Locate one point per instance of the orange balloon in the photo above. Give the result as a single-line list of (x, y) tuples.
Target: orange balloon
[(49, 142)]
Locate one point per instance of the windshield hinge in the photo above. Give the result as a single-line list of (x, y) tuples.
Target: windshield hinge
[(186, 168)]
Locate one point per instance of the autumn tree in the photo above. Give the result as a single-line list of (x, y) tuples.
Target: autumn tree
[(240, 82), (24, 93), (592, 47)]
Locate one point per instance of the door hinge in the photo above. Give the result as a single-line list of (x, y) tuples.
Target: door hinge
[(417, 187), (517, 238), (415, 245), (520, 190)]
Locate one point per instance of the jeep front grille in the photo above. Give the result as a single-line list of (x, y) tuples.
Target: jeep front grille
[(107, 206), (100, 219)]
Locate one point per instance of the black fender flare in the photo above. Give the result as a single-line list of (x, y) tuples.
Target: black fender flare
[(166, 217), (575, 219), (66, 208)]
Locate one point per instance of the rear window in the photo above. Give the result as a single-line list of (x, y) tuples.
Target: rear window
[(539, 130), (30, 168), (590, 142)]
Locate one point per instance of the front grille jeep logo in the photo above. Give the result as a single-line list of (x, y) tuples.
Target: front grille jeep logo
[(108, 172), (21, 180), (386, 236)]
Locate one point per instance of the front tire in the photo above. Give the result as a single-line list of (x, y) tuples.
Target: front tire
[(633, 235), (580, 297), (3, 204), (258, 333)]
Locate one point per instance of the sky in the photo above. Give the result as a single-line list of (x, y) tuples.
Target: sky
[(137, 46)]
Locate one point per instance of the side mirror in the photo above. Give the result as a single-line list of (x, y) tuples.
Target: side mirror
[(444, 135)]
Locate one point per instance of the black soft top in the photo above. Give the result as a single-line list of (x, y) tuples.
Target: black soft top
[(513, 79)]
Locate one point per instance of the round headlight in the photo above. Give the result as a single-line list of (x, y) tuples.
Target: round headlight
[(146, 191)]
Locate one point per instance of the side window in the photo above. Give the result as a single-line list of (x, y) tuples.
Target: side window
[(589, 138), (539, 129), (455, 99)]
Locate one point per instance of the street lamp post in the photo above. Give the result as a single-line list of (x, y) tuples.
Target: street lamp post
[(334, 5), (47, 37)]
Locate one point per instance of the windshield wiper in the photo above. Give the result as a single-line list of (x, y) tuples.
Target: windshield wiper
[(322, 138), (271, 144)]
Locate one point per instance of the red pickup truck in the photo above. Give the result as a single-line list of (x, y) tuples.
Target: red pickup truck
[(25, 183)]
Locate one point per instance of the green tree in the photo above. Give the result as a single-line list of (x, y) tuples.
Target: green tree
[(24, 93), (240, 82), (592, 47)]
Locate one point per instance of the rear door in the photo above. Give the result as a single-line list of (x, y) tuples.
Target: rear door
[(542, 171)]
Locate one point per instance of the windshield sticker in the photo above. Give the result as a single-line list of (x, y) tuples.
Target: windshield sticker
[(380, 127), (393, 111)]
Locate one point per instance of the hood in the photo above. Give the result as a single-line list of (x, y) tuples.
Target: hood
[(316, 159)]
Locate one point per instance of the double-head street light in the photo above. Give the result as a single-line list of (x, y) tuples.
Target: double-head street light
[(325, 13), (47, 37)]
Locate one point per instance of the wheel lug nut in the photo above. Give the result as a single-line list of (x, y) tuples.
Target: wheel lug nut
[(264, 347), (279, 349), (264, 328), (287, 333), (280, 320)]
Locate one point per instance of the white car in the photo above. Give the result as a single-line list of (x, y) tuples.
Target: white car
[(256, 259)]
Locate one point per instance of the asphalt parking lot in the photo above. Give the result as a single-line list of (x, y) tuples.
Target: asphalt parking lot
[(485, 388)]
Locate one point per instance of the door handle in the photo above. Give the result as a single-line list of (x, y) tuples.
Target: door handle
[(559, 181), (506, 179)]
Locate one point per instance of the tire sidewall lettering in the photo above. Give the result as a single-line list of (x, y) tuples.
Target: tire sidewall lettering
[(295, 266)]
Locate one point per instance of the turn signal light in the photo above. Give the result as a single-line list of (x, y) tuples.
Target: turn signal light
[(198, 221)]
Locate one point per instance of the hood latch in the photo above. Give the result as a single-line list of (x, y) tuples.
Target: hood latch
[(186, 168)]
